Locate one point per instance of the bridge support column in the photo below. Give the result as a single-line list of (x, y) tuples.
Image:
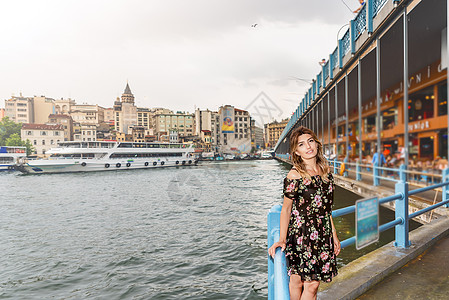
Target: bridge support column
[(401, 211)]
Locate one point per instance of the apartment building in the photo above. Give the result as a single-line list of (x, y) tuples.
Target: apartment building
[(42, 136)]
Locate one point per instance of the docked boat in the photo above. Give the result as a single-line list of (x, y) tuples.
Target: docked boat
[(105, 156), (10, 156)]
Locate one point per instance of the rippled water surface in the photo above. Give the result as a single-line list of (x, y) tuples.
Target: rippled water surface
[(175, 233)]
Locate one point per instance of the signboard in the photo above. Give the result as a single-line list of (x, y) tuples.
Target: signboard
[(227, 125), (366, 222)]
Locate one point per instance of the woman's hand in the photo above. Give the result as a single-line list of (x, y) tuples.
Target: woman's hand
[(272, 249), (337, 246)]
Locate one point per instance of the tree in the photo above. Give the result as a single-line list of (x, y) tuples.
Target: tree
[(15, 140), (8, 128)]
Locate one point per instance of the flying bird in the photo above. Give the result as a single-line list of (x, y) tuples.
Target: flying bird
[(254, 25)]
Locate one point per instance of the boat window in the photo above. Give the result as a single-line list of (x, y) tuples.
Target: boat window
[(143, 155)]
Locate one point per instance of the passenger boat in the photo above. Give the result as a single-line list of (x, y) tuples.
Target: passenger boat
[(10, 156), (106, 156)]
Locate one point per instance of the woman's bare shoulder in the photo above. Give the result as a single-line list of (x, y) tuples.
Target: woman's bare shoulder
[(293, 174)]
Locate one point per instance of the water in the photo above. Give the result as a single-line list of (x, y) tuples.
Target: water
[(191, 232)]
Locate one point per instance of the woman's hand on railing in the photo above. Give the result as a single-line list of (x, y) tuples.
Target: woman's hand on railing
[(337, 246), (272, 249)]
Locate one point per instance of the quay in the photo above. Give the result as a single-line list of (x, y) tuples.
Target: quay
[(380, 109)]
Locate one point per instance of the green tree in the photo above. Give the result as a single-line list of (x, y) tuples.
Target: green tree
[(8, 128), (15, 140)]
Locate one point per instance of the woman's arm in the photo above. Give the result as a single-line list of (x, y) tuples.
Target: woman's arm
[(337, 246), (285, 219)]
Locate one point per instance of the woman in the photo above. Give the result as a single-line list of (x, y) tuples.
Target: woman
[(307, 231)]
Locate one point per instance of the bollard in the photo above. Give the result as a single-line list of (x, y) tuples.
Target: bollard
[(401, 211)]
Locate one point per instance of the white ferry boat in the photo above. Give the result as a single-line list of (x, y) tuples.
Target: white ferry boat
[(105, 156), (10, 156)]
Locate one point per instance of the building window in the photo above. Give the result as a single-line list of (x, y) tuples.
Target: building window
[(442, 99), (56, 133), (43, 142), (51, 142), (43, 133), (29, 133), (389, 118), (35, 142), (420, 105), (369, 124)]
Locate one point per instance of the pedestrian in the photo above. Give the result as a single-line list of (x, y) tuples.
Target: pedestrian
[(307, 231)]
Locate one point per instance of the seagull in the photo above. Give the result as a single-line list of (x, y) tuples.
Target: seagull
[(254, 25)]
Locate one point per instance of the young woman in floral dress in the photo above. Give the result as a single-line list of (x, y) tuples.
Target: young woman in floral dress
[(307, 232)]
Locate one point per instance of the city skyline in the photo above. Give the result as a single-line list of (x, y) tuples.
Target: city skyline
[(169, 52)]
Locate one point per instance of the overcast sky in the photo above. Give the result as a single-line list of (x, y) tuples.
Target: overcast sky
[(178, 54)]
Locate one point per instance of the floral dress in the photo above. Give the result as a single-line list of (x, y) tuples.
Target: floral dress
[(310, 245)]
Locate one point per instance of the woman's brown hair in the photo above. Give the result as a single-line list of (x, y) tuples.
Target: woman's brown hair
[(298, 163)]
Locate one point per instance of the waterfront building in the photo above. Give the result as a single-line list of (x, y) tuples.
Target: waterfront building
[(257, 140), (2, 113), (87, 114), (272, 132), (207, 129), (20, 109), (181, 121), (109, 117), (173, 136), (235, 133), (43, 107), (382, 90), (144, 116), (84, 132), (66, 122), (64, 106), (35, 109), (125, 112), (124, 137), (138, 134), (42, 136)]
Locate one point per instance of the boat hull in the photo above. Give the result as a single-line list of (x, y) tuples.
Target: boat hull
[(92, 165)]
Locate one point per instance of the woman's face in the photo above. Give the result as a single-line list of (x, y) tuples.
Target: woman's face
[(307, 147)]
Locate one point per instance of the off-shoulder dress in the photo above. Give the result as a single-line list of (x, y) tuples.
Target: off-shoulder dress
[(310, 246)]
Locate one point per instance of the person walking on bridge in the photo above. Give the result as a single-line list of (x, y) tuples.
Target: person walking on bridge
[(307, 231)]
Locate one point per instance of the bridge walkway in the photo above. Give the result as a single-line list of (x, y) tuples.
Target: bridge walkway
[(425, 277)]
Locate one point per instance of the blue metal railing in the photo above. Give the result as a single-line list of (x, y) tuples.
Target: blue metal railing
[(346, 43), (377, 6), (335, 58), (360, 22), (277, 270)]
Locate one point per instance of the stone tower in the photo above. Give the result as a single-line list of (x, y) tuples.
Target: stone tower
[(127, 96)]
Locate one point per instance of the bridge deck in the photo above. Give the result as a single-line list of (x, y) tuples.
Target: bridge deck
[(425, 277)]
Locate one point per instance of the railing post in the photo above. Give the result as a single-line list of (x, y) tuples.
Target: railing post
[(358, 171), (345, 174), (445, 178), (335, 166), (402, 174), (376, 180), (401, 211), (277, 285)]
